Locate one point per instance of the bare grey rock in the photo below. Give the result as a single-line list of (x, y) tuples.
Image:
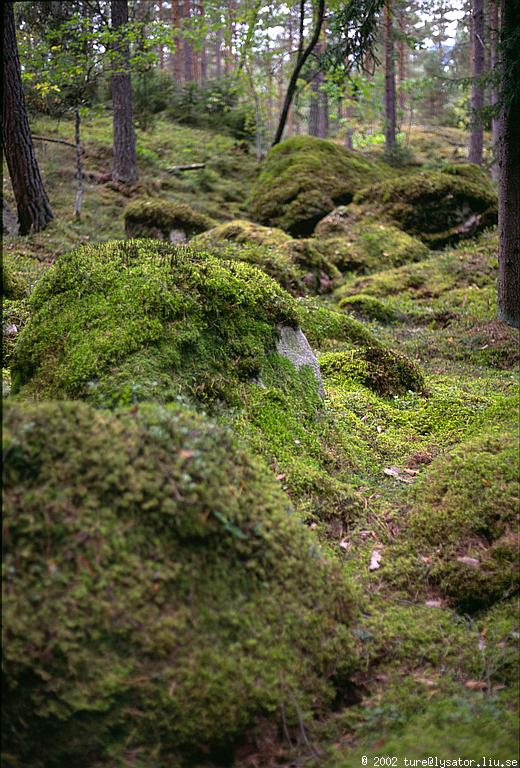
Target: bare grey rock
[(293, 345)]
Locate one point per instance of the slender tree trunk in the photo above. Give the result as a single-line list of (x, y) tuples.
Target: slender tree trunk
[(218, 53), (509, 168), (493, 65), (476, 139), (79, 165), (318, 108), (176, 58), (402, 65), (203, 58), (186, 46), (124, 168), (390, 117), (303, 55), (34, 211)]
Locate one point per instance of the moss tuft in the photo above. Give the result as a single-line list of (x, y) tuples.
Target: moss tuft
[(462, 530), (164, 220), (369, 307), (158, 593), (133, 320), (13, 284), (297, 265), (304, 178), (383, 371), (355, 241), (438, 208)]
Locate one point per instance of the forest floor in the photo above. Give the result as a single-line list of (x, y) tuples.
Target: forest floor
[(437, 669)]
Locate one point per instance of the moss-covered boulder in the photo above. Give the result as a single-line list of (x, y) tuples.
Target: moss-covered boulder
[(158, 592), (164, 220), (356, 241), (297, 265), (132, 320), (369, 307), (438, 208), (304, 178), (461, 536), (382, 370)]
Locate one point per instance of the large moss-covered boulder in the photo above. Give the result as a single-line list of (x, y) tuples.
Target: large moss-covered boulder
[(384, 371), (158, 592), (298, 265), (133, 320), (461, 535), (438, 208), (164, 220), (304, 178), (356, 241)]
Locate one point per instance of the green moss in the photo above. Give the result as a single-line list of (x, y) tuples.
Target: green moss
[(357, 242), (438, 208), (132, 320), (158, 593), (15, 313), (304, 178), (296, 264), (461, 531), (13, 284), (157, 218), (462, 726), (369, 307), (379, 369), (321, 324)]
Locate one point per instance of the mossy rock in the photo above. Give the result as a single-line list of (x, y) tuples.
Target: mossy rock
[(132, 320), (369, 307), (381, 370), (438, 208), (321, 324), (164, 220), (304, 178), (296, 264), (461, 534), (13, 284), (355, 241), (159, 594)]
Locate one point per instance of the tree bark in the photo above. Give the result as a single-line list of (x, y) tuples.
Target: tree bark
[(493, 65), (509, 168), (79, 166), (186, 46), (476, 139), (303, 55), (390, 116), (176, 58), (34, 211), (124, 169)]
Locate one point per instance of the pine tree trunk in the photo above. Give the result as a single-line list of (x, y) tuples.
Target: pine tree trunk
[(124, 167), (34, 211), (79, 165), (176, 58), (390, 118), (476, 139), (402, 65), (493, 65), (509, 169), (218, 53), (187, 49)]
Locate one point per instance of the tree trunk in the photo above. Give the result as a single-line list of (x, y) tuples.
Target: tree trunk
[(186, 46), (476, 139), (303, 55), (390, 118), (176, 58), (34, 211), (509, 168), (79, 166), (493, 65), (218, 53), (124, 167), (402, 65)]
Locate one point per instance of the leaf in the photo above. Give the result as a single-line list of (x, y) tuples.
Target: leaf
[(472, 562), (476, 685), (375, 560)]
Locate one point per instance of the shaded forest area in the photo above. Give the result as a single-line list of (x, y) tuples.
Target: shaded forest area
[(260, 311)]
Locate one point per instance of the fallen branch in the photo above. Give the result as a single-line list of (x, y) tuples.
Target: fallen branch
[(55, 141), (180, 168)]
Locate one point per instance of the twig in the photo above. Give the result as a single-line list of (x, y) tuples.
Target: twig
[(55, 141)]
